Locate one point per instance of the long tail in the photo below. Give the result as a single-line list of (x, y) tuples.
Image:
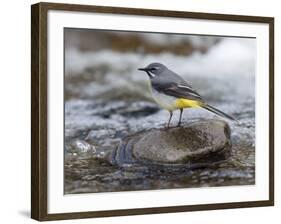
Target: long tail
[(218, 112)]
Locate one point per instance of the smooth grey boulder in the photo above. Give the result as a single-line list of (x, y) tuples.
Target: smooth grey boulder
[(194, 144)]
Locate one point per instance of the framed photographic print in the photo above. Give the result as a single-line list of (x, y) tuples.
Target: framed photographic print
[(139, 111)]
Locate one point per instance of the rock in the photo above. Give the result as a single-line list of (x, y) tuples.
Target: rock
[(195, 144)]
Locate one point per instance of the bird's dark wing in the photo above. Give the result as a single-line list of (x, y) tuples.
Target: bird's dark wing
[(180, 91)]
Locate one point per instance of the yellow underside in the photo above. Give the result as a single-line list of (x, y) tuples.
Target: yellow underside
[(185, 103)]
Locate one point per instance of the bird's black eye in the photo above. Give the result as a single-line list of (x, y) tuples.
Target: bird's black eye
[(153, 69)]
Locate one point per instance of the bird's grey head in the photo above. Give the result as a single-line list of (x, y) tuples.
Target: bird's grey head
[(154, 69)]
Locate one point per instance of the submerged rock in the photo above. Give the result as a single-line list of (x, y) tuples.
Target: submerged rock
[(199, 143)]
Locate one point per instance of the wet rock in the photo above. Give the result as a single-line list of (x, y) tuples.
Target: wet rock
[(196, 144)]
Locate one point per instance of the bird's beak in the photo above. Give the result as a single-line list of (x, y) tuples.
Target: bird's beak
[(145, 70), (142, 69)]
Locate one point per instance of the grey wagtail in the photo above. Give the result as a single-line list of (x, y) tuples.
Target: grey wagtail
[(172, 92)]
